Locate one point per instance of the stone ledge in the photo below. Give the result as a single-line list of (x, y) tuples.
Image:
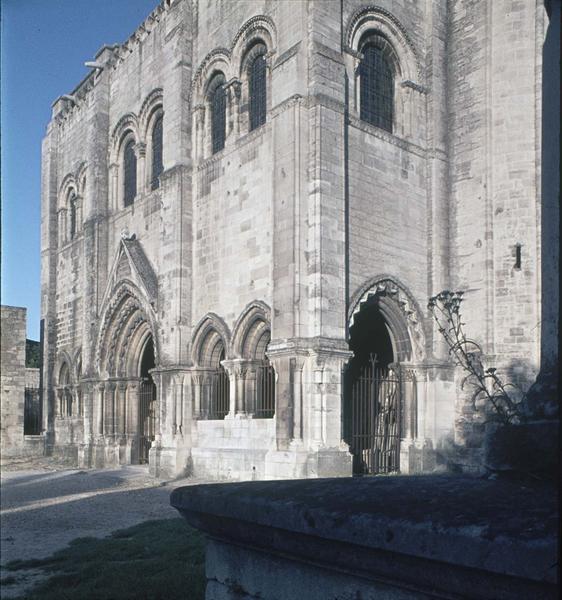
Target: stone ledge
[(434, 534)]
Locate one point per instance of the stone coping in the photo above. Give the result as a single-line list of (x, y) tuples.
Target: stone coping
[(500, 528)]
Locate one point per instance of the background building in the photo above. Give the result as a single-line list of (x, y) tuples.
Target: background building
[(245, 197), (20, 388)]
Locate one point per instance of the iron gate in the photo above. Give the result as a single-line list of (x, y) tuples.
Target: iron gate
[(147, 418), (373, 418), (265, 392), (31, 413), (220, 394)]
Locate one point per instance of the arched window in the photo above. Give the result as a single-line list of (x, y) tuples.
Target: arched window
[(254, 346), (214, 400), (129, 173), (376, 85), (157, 164), (220, 390), (217, 99), (72, 202), (257, 90), (65, 394)]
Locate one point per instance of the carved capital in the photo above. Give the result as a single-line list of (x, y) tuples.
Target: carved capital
[(140, 149), (234, 88)]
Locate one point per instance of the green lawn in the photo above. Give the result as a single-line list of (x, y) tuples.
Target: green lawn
[(154, 560)]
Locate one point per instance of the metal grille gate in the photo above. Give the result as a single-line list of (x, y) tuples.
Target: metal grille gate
[(31, 413), (220, 395), (147, 418), (265, 392), (374, 419)]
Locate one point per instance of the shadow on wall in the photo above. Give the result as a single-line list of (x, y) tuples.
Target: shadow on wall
[(476, 423)]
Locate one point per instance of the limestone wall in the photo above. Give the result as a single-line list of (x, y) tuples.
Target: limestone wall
[(13, 378), (302, 214), (495, 140), (495, 175)]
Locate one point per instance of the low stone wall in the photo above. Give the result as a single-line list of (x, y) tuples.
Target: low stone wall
[(384, 537)]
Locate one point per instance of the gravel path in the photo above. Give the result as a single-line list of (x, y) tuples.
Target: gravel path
[(44, 507)]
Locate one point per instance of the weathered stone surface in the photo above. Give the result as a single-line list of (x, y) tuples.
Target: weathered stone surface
[(293, 228), (16, 382), (401, 537), (526, 448)]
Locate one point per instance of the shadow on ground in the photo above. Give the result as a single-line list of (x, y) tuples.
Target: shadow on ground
[(161, 559)]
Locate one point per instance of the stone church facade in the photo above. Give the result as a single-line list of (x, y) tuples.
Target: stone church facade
[(246, 207)]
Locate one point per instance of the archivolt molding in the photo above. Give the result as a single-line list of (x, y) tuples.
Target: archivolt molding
[(255, 311), (63, 358), (127, 123), (209, 323), (68, 183), (122, 314), (405, 307), (229, 60), (77, 360), (81, 177), (216, 60), (153, 101), (257, 28), (132, 344), (378, 19)]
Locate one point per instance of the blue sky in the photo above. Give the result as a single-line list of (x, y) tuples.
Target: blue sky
[(44, 46)]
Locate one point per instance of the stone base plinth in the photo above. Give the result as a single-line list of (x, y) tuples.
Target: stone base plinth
[(170, 462), (378, 537)]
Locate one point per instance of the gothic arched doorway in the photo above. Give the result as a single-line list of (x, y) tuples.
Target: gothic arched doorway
[(147, 402), (372, 399)]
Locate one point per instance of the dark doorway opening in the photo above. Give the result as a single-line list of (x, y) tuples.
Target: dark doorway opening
[(372, 393), (32, 413), (147, 402)]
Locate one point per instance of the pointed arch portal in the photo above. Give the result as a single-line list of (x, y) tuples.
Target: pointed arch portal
[(147, 402), (374, 413), (127, 353)]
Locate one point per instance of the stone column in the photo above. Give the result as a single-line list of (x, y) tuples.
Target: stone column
[(197, 387), (199, 129), (187, 408), (409, 417), (326, 391), (284, 361), (109, 412), (233, 96), (237, 370), (351, 62), (87, 394), (100, 409), (133, 399), (250, 387), (114, 185), (297, 380), (61, 226), (308, 408), (159, 408), (58, 404), (140, 151)]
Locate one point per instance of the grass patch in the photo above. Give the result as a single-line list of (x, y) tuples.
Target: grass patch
[(154, 560)]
